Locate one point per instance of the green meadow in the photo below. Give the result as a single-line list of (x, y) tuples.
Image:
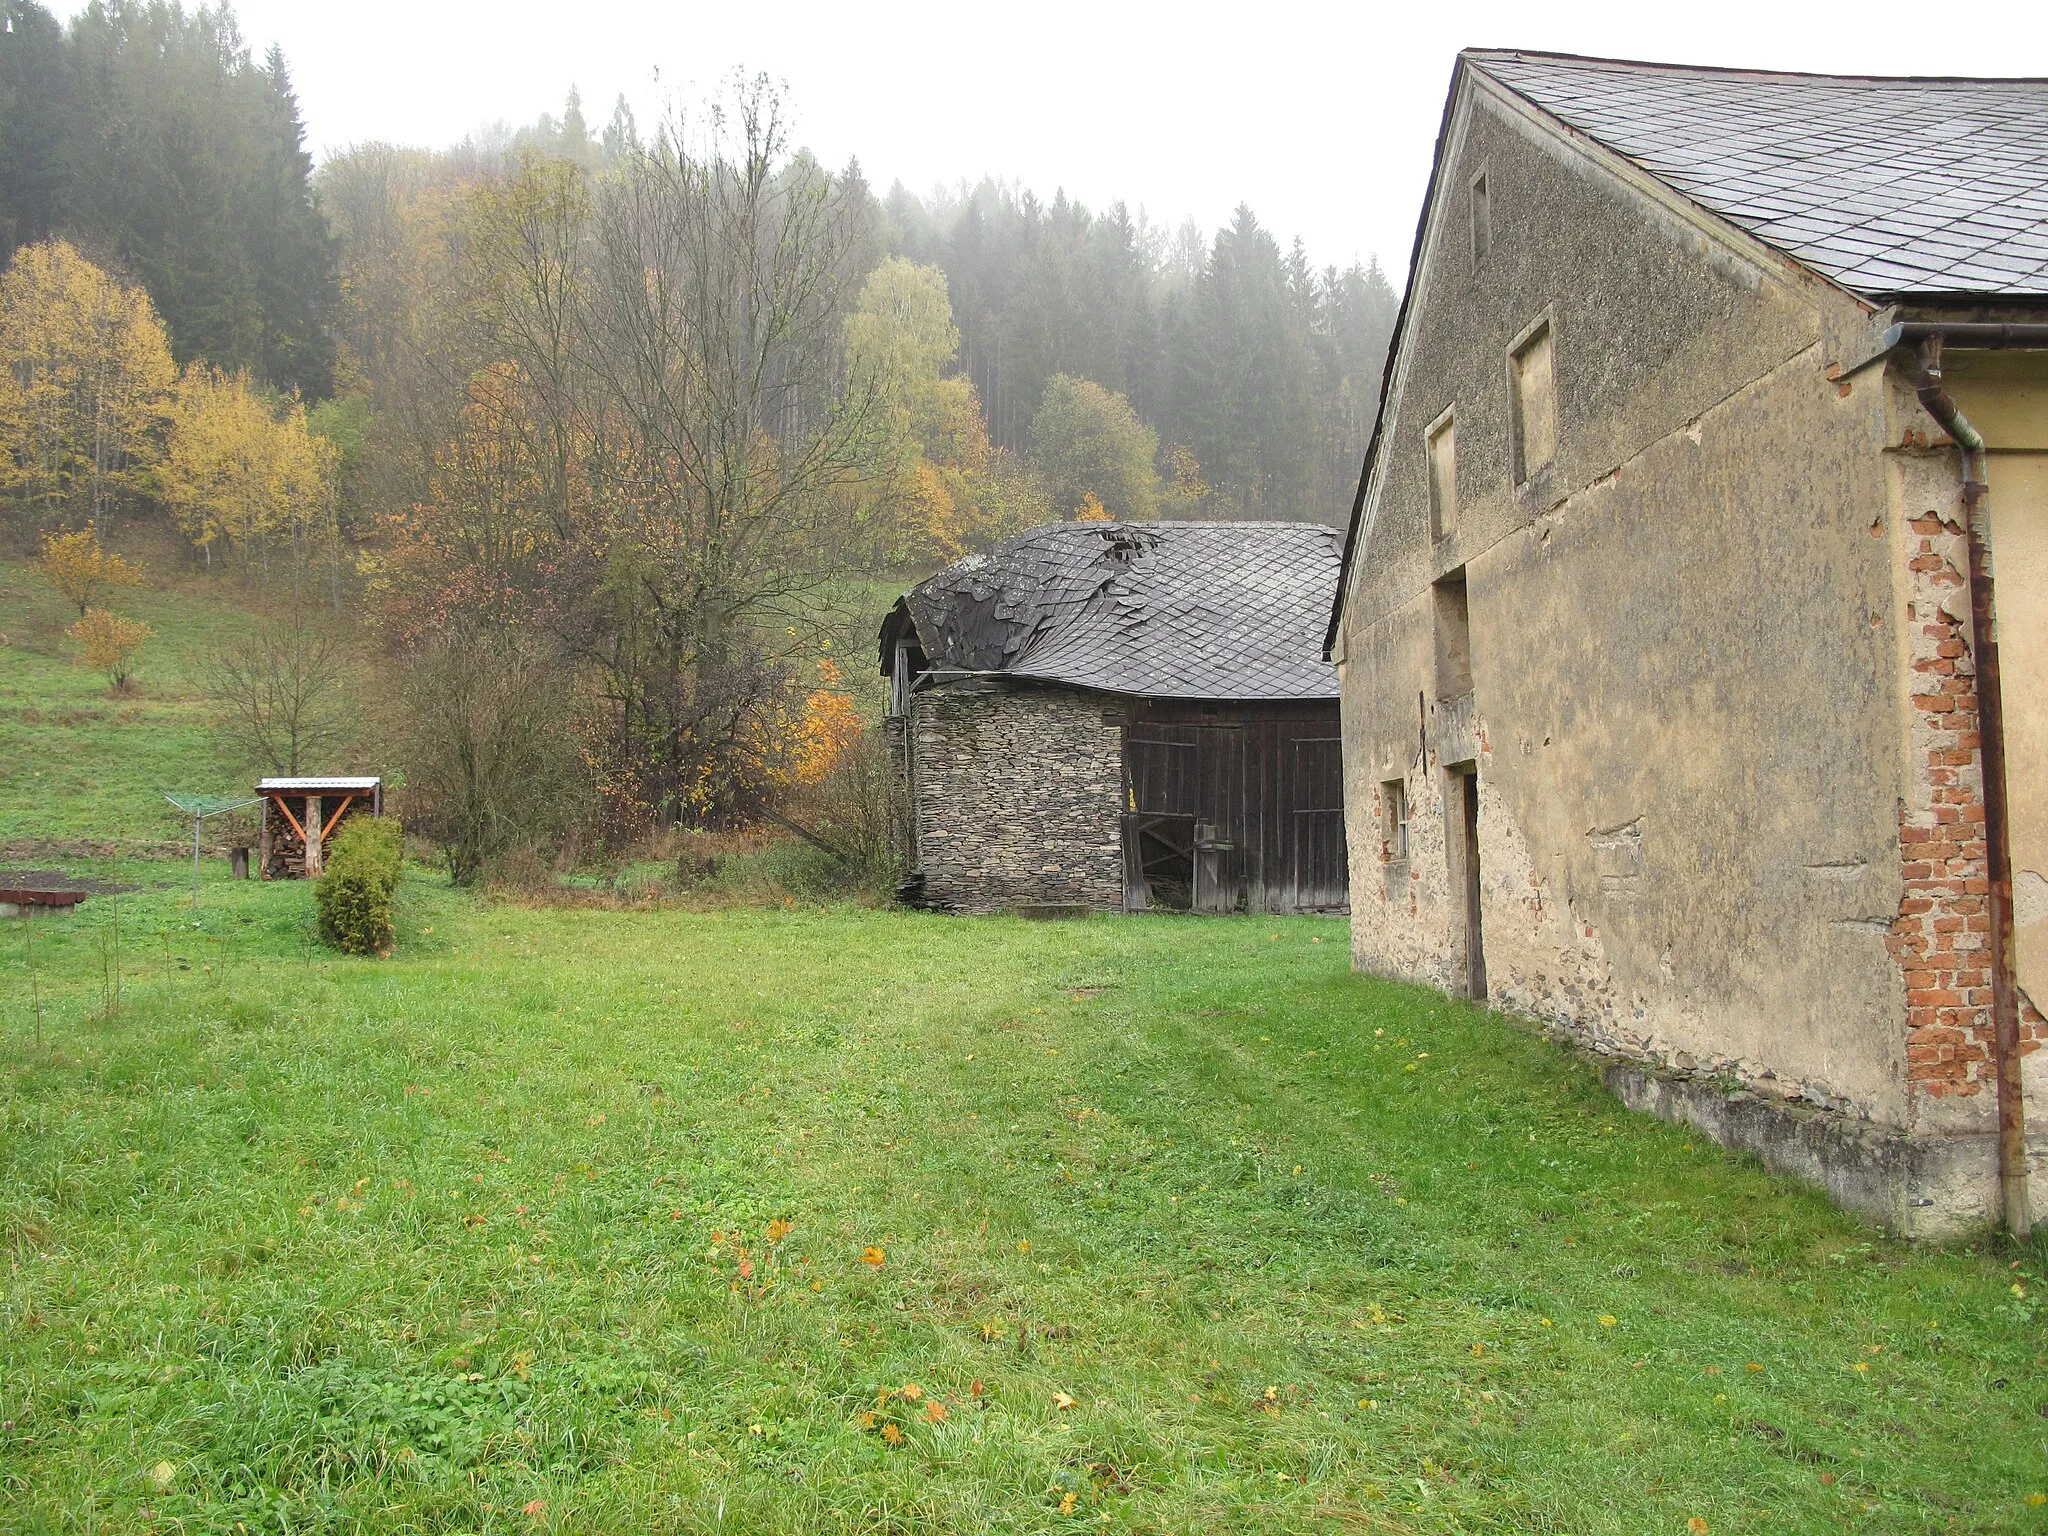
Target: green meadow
[(787, 1217)]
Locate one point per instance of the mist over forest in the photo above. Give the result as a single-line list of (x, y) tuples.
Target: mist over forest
[(623, 405), (156, 143)]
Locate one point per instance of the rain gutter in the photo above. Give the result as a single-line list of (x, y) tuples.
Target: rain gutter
[(2005, 1021), (1968, 333)]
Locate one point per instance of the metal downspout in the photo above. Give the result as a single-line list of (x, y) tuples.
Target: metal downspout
[(2005, 1018)]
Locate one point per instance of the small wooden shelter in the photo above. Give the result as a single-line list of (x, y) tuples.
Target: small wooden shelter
[(300, 815)]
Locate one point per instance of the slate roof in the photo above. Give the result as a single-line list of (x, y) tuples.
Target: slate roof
[(1887, 186), (1158, 610)]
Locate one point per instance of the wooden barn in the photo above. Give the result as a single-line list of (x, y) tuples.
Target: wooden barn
[(1123, 716), (301, 815)]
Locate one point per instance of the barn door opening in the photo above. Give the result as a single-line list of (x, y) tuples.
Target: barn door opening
[(1159, 821), (1463, 819), (1219, 819), (1159, 862), (1320, 881)]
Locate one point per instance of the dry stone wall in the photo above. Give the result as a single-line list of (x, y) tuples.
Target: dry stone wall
[(1018, 795)]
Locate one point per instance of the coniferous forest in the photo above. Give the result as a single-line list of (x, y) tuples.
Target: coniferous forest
[(150, 138)]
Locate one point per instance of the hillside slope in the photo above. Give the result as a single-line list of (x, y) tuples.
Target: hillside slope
[(81, 765)]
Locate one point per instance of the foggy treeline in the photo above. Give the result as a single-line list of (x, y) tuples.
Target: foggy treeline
[(587, 425), (1264, 366), (150, 138)]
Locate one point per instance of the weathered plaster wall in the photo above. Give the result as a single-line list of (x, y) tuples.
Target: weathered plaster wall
[(1684, 644), (1016, 794), (2005, 395), (2019, 534)]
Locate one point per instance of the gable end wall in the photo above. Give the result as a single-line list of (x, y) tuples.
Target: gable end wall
[(1698, 645), (1017, 793)]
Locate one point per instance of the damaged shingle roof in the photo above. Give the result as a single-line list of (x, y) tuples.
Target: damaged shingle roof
[(1887, 186), (1160, 610)]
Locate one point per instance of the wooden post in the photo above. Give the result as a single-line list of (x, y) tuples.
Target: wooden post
[(263, 842), (312, 837)]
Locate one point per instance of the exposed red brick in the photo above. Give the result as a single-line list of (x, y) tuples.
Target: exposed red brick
[(1937, 940)]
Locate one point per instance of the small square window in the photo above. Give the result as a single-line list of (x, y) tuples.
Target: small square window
[(1443, 476), (1394, 820), (1535, 401), (1482, 219)]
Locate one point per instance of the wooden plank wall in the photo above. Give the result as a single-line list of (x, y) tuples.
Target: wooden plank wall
[(1267, 778)]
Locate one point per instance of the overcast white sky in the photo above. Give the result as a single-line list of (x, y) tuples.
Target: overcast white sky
[(1322, 117)]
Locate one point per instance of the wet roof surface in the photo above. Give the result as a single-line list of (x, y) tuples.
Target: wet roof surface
[(1160, 610), (1887, 186)]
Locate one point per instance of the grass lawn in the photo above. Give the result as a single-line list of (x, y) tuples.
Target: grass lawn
[(834, 1220), (837, 1220)]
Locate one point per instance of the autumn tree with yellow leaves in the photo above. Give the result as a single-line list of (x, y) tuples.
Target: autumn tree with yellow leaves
[(938, 486), (77, 566), (237, 470), (86, 381), (109, 643), (1094, 451)]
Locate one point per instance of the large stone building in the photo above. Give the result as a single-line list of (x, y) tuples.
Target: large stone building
[(1661, 704), (1123, 716)]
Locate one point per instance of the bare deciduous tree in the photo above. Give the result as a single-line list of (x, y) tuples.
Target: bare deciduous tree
[(678, 329), (490, 762), (283, 694)]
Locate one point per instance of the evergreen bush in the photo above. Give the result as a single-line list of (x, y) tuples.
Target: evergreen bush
[(355, 891)]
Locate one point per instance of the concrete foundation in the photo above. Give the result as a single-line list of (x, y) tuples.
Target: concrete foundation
[(1916, 1186)]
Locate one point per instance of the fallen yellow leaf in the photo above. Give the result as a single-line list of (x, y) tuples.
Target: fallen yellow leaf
[(1607, 1320), (1062, 1401), (873, 1255)]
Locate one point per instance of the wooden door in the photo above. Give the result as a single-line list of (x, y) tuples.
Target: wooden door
[(1221, 823), (1320, 876), (1159, 820)]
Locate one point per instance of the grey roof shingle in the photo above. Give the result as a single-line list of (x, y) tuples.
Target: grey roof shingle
[(1887, 186), (1159, 610)]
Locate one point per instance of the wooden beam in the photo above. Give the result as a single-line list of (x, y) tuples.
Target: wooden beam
[(286, 812), (346, 801)]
